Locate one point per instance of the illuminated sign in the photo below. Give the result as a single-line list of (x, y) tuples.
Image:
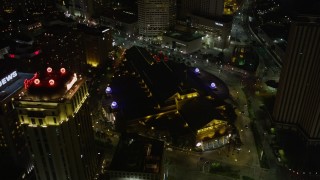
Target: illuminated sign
[(34, 79), (8, 78), (71, 83), (218, 24)]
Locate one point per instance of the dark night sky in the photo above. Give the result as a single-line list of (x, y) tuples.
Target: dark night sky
[(302, 6)]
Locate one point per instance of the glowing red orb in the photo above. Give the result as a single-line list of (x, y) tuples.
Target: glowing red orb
[(63, 70), (36, 81), (49, 69), (51, 82)]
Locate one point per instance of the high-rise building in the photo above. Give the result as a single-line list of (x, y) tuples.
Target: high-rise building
[(155, 16), (54, 112), (97, 44), (15, 160), (297, 104)]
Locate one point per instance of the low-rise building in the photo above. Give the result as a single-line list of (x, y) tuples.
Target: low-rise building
[(137, 157), (184, 42)]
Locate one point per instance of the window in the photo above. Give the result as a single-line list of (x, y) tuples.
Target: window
[(40, 121), (33, 121)]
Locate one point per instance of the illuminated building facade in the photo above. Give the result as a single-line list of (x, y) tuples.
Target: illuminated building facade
[(53, 111), (97, 43), (230, 6), (8, 6), (13, 150), (184, 42), (156, 16), (185, 99), (208, 18), (297, 101)]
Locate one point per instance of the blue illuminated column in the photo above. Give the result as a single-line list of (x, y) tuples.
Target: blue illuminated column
[(213, 85), (108, 90), (114, 105)]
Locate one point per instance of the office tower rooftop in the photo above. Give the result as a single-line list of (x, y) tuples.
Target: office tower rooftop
[(56, 119)]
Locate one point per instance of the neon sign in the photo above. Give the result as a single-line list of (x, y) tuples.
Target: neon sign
[(28, 82), (71, 83), (8, 78)]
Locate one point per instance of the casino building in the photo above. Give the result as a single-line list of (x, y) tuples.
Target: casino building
[(53, 110), (166, 100)]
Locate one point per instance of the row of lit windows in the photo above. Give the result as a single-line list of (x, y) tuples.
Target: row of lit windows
[(133, 175), (3, 145)]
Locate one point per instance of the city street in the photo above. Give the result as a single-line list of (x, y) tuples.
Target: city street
[(185, 165)]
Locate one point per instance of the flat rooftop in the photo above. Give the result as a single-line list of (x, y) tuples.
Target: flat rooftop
[(51, 86), (183, 36), (163, 80), (136, 153)]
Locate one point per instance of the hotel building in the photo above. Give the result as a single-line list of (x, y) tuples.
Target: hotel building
[(53, 111), (154, 17)]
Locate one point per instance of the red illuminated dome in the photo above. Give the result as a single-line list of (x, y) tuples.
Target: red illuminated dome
[(49, 69), (51, 82), (36, 81), (63, 70)]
